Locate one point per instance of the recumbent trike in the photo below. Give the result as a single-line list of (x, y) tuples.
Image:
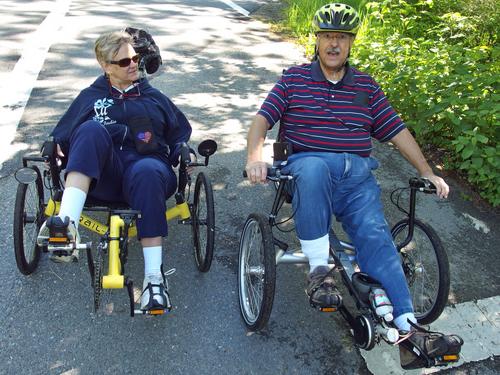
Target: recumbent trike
[(423, 257), (39, 195)]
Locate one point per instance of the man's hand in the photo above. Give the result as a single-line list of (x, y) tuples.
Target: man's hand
[(409, 148), (256, 169), (442, 188), (256, 172)]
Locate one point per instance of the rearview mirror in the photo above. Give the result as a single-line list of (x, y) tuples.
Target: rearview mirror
[(207, 147), (25, 175)]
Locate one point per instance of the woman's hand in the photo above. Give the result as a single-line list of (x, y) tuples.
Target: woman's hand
[(59, 155)]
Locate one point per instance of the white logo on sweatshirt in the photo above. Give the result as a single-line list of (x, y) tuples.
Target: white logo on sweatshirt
[(101, 111)]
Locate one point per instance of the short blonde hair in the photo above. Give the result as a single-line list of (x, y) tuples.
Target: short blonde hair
[(108, 45)]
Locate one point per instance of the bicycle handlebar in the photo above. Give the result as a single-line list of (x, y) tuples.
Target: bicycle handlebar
[(423, 185), (417, 183)]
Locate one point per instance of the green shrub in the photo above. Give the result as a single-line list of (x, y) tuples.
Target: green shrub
[(440, 70)]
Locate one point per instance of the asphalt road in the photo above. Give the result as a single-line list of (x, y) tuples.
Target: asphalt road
[(218, 66)]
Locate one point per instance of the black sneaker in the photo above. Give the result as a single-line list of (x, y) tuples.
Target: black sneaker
[(155, 293), (422, 348), (321, 289)]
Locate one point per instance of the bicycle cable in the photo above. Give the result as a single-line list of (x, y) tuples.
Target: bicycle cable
[(395, 198), (295, 191)]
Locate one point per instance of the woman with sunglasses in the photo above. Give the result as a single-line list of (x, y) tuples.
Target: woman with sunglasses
[(120, 139)]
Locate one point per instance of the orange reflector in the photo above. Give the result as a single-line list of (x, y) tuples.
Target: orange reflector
[(156, 312), (451, 357), (328, 309), (58, 239)]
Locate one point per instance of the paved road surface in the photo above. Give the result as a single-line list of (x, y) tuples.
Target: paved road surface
[(219, 64)]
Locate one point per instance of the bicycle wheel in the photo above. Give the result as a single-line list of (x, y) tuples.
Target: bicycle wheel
[(256, 272), (28, 218), (426, 268), (203, 222)]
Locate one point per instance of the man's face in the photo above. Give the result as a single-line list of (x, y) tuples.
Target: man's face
[(333, 48)]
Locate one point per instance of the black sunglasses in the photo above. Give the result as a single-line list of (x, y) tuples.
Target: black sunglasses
[(123, 63)]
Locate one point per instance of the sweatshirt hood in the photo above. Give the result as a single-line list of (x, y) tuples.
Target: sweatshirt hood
[(102, 84)]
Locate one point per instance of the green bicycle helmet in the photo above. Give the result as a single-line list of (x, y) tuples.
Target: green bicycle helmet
[(336, 17)]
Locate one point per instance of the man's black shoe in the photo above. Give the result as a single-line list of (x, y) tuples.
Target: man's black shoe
[(422, 348), (321, 289)]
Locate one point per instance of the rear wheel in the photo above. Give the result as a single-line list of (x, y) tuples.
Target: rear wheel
[(256, 272), (28, 218), (426, 268), (203, 222)]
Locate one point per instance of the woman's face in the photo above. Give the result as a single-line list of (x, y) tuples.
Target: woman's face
[(123, 77)]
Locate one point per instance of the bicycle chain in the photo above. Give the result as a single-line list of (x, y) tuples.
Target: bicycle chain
[(98, 263)]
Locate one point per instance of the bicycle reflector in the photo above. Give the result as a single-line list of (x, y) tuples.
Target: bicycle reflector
[(157, 312), (327, 309)]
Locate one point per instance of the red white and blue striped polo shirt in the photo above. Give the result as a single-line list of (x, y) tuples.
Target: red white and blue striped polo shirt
[(317, 115)]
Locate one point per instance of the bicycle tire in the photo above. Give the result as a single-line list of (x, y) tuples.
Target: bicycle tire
[(28, 218), (426, 268), (256, 272), (203, 222)]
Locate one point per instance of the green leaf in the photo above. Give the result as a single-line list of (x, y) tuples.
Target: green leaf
[(467, 152)]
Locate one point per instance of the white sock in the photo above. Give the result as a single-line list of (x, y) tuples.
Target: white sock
[(152, 260), (402, 321), (72, 203), (317, 251)]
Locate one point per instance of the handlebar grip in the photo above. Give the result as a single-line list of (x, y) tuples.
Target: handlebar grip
[(271, 172), (185, 154), (422, 184), (48, 148)]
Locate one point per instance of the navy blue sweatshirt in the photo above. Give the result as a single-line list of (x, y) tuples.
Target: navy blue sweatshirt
[(116, 111)]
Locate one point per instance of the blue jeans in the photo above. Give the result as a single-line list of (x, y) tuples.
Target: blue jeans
[(342, 184)]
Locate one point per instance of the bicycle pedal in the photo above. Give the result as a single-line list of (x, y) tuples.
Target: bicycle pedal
[(155, 312), (53, 248)]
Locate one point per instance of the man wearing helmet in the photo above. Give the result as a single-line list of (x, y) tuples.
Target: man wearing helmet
[(328, 112)]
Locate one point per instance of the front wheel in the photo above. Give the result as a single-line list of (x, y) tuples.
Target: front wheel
[(426, 268), (28, 218), (256, 272), (203, 222)]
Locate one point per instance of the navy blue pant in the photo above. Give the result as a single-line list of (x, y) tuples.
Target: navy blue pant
[(144, 182)]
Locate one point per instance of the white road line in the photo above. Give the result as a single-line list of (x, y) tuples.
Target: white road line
[(16, 88), (236, 7), (477, 322), (478, 224)]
